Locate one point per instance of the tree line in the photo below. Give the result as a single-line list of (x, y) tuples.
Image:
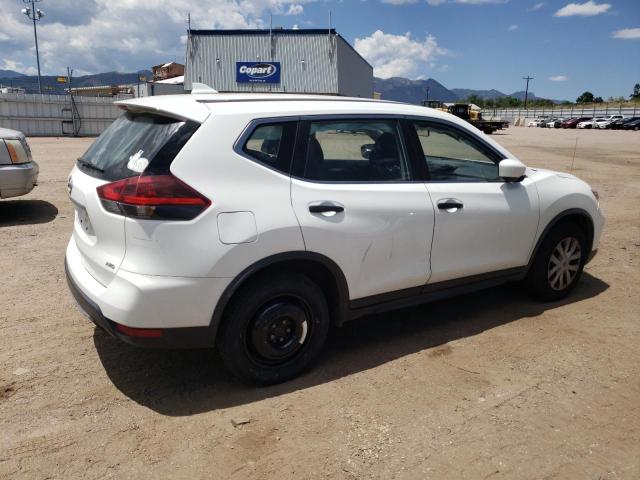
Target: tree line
[(513, 102)]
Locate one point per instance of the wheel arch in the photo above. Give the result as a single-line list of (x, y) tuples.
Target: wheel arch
[(577, 215), (322, 270)]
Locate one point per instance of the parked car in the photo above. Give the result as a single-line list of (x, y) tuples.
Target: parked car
[(635, 125), (253, 222), (591, 123), (573, 122), (18, 170), (554, 123), (618, 124), (606, 122), (537, 122)]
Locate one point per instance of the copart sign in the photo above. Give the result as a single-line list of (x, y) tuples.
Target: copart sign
[(258, 72)]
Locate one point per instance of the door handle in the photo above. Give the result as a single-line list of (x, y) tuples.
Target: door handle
[(326, 208), (450, 203)]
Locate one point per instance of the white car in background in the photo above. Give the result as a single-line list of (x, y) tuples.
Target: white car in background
[(254, 222), (606, 122), (593, 123), (537, 122)]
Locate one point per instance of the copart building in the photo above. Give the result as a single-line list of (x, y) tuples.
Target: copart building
[(277, 60)]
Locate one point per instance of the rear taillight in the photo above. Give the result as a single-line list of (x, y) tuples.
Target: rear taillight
[(153, 197)]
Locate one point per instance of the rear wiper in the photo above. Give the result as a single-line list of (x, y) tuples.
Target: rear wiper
[(89, 165)]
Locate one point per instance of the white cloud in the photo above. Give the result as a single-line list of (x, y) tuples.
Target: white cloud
[(123, 35), (558, 78), (399, 2), (537, 6), (627, 34), (512, 28), (587, 9), (480, 2), (397, 55), (435, 3), (295, 9)]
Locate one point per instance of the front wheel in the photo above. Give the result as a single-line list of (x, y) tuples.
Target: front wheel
[(559, 262), (274, 328)]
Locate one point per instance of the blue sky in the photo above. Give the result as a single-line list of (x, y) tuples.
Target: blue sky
[(568, 46)]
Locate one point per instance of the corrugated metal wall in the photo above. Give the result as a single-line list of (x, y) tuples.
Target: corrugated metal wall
[(309, 63), (355, 75), (50, 115)]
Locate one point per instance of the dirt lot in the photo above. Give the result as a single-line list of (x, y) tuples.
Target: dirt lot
[(490, 385)]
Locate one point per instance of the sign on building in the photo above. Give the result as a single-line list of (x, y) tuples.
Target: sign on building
[(257, 72)]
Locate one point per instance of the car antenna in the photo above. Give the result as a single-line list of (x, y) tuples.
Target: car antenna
[(575, 147)]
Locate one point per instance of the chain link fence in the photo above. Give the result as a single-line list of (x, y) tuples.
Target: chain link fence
[(563, 111)]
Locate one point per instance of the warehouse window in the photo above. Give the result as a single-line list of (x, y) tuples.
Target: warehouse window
[(271, 144), (355, 151)]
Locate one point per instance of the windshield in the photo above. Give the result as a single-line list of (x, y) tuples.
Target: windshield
[(134, 143)]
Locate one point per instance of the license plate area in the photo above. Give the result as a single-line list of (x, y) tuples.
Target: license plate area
[(83, 220)]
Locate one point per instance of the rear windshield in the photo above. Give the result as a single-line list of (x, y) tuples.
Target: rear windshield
[(136, 143)]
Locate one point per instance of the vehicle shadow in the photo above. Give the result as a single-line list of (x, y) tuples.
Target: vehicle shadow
[(185, 382), (26, 212)]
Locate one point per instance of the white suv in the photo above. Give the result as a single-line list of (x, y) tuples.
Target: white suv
[(606, 122), (254, 222)]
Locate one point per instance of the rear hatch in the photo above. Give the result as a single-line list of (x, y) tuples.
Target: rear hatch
[(137, 144)]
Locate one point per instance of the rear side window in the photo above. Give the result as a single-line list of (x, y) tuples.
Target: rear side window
[(355, 151), (272, 145), (136, 143)]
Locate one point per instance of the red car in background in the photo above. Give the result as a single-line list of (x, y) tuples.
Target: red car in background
[(573, 122)]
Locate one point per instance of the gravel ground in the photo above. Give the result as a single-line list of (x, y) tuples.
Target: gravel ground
[(489, 385)]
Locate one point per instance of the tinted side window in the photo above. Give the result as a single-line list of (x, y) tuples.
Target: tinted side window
[(272, 144), (355, 151), (453, 156)]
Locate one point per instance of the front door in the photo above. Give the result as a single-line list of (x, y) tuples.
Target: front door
[(482, 224), (357, 203)]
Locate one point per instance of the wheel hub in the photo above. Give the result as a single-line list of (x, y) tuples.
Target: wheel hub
[(564, 263), (278, 331)]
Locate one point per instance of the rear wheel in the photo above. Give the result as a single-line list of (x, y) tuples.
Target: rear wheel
[(559, 262), (274, 328)]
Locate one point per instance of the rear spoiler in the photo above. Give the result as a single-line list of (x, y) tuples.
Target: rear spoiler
[(182, 107)]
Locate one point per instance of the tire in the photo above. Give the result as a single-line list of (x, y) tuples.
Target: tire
[(274, 328), (542, 280)]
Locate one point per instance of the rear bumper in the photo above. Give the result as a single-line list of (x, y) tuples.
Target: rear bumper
[(137, 302), (187, 337), (16, 180)]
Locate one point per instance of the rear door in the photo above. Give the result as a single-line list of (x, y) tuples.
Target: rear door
[(133, 144), (482, 223), (357, 203)]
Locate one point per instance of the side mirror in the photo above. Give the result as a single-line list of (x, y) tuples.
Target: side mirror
[(511, 170)]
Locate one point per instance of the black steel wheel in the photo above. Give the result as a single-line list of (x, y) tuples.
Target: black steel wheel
[(279, 330), (274, 327)]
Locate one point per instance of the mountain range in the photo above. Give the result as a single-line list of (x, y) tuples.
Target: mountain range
[(395, 88), (416, 91), (50, 83)]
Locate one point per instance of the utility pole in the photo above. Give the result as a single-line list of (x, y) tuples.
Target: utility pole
[(34, 14), (526, 92)]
